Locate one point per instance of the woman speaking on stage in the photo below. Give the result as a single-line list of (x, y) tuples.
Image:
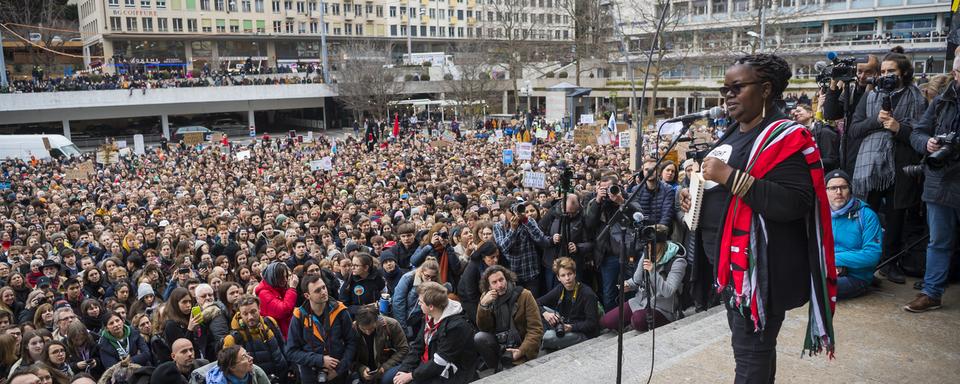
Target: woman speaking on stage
[(765, 220)]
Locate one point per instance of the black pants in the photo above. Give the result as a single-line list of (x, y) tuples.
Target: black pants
[(755, 352), (490, 351)]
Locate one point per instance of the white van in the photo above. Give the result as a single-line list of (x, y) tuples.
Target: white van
[(39, 146)]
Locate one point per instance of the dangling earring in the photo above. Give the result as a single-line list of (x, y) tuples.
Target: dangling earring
[(764, 116)]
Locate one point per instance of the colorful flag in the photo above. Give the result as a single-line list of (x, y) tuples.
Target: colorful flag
[(953, 38)]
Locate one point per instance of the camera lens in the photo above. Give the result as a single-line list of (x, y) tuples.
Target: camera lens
[(614, 190)]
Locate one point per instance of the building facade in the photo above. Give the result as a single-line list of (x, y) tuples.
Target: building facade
[(701, 33), (225, 33)]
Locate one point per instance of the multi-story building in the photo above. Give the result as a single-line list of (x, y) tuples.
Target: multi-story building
[(272, 33), (700, 31)]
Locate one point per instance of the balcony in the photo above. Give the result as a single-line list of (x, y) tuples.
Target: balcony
[(424, 19), (471, 20), (453, 20), (471, 4), (348, 15), (403, 19), (424, 3)]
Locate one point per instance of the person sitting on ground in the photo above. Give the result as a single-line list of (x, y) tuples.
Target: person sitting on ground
[(857, 237), (666, 281), (381, 346), (234, 365), (321, 341), (443, 350), (570, 305), (405, 308), (508, 319)]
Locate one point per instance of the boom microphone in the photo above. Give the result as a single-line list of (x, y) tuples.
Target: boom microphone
[(819, 66), (832, 56), (712, 113)]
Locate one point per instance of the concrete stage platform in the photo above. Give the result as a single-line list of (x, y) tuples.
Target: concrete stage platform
[(878, 342)]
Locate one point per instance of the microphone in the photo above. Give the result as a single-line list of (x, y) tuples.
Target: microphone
[(832, 56), (819, 66), (638, 217), (712, 113)]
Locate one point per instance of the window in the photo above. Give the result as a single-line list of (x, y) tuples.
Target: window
[(313, 27), (379, 11), (276, 6), (288, 5), (161, 3), (178, 25), (261, 26), (393, 11), (433, 31), (288, 27), (336, 31), (433, 13), (460, 14), (358, 10), (113, 3), (369, 9), (277, 27), (115, 23), (144, 4), (335, 9), (301, 28), (218, 5), (359, 29), (232, 5), (423, 30), (191, 25), (312, 6), (221, 28), (131, 24), (246, 6), (161, 24), (130, 3), (348, 29), (301, 7), (413, 31), (234, 28), (393, 30), (258, 5), (204, 5)]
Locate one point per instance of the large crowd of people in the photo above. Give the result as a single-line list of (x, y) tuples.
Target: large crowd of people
[(413, 258)]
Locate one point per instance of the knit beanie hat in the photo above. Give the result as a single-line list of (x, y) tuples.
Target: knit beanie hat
[(143, 290), (836, 173)]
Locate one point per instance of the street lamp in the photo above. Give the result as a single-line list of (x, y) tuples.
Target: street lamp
[(529, 89)]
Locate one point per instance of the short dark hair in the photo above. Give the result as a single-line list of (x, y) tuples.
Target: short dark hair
[(248, 299), (310, 279), (227, 357), (367, 315), (897, 56)]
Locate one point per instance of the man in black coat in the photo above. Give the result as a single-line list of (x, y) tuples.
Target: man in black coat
[(442, 352), (834, 108), (579, 246)]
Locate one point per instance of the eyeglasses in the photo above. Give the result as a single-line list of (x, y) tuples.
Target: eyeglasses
[(429, 277), (735, 88), (838, 188), (57, 351)]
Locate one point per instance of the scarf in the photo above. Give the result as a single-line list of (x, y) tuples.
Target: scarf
[(743, 257), (429, 329), (846, 208), (875, 168)]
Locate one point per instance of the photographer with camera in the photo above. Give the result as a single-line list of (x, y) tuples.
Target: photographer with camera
[(884, 121), (508, 320), (569, 309), (518, 238), (835, 107), (564, 223), (935, 135), (606, 253)]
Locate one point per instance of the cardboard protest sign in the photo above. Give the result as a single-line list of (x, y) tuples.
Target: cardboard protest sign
[(193, 138), (81, 171)]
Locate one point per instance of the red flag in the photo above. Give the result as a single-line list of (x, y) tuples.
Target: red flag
[(396, 124)]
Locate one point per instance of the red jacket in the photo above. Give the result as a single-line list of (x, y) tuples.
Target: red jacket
[(277, 303)]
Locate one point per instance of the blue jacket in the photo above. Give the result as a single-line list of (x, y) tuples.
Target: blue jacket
[(657, 205), (310, 337), (857, 239), (405, 298)]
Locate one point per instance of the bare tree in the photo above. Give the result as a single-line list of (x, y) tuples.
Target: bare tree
[(669, 48), (52, 14), (593, 30), (474, 85), (366, 81)]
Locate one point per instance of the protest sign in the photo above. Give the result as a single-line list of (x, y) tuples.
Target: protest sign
[(524, 151), (508, 156), (534, 180)]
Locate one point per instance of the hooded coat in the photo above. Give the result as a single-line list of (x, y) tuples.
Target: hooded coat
[(276, 300), (449, 353), (357, 291)]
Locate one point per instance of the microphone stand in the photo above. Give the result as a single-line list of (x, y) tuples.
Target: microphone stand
[(620, 216)]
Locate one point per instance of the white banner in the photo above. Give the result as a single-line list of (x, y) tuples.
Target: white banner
[(536, 180), (524, 151)]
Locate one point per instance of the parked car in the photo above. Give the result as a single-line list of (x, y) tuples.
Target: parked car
[(182, 131), (224, 125)]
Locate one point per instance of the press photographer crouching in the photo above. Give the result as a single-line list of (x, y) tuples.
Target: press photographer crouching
[(569, 309), (884, 121), (665, 270), (935, 136), (508, 320)]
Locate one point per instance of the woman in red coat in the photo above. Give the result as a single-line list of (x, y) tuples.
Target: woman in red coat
[(278, 294)]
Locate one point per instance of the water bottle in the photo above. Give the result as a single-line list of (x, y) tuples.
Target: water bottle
[(384, 303)]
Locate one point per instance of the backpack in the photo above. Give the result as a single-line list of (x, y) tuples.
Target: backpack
[(160, 349)]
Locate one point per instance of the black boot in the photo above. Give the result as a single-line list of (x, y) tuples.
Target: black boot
[(895, 274)]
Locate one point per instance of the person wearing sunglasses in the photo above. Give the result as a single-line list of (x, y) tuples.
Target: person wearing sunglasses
[(760, 219)]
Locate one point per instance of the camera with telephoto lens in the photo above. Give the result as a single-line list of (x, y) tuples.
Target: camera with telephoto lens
[(938, 159), (838, 70), (614, 189), (887, 83)]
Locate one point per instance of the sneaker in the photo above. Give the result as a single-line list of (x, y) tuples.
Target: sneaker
[(895, 275), (922, 303)]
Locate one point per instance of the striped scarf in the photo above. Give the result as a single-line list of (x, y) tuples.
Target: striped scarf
[(743, 245)]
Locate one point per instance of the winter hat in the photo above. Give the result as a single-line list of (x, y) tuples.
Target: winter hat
[(837, 173), (281, 218), (143, 290), (486, 249)]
